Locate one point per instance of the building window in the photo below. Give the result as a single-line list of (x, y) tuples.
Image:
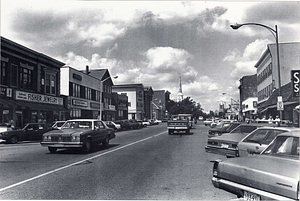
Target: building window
[(25, 78), (14, 73), (76, 90), (50, 83), (88, 93), (3, 73)]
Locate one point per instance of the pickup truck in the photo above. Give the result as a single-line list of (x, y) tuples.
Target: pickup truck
[(179, 123)]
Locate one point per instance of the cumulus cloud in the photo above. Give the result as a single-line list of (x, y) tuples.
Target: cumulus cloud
[(244, 63)]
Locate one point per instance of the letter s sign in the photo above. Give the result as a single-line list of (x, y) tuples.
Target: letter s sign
[(295, 77)]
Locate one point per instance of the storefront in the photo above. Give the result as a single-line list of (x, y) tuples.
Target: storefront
[(28, 107)]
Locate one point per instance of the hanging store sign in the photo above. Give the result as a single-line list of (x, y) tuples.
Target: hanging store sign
[(38, 98), (280, 103), (295, 77)]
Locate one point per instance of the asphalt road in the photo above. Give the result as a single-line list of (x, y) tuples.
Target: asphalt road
[(145, 164)]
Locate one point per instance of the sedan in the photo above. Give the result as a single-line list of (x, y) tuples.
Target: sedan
[(80, 133), (222, 128), (207, 122), (272, 175), (227, 143), (30, 132), (113, 125), (258, 140)]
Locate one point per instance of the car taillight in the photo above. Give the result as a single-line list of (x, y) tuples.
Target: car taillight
[(215, 168), (237, 151), (298, 191)]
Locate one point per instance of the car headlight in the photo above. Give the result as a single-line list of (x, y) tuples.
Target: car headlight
[(46, 138), (75, 138)]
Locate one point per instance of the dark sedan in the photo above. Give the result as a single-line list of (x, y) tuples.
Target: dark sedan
[(272, 175), (30, 132), (80, 133), (222, 128)]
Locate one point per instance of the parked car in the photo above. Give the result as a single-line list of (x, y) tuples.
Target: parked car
[(58, 124), (30, 132), (256, 141), (153, 122), (113, 125), (5, 127), (146, 123), (227, 143), (134, 124), (222, 128), (157, 121), (78, 133), (124, 124), (207, 122), (272, 175)]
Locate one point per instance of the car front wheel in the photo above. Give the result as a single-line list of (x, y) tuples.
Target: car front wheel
[(88, 146), (52, 150), (13, 139)]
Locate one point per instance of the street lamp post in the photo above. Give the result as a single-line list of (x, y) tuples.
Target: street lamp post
[(275, 34), (101, 90)]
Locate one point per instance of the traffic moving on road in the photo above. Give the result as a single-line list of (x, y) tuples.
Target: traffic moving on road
[(138, 161)]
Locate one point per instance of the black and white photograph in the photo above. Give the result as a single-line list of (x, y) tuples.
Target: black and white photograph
[(149, 100)]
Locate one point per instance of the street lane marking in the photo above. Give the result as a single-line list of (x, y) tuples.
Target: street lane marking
[(76, 163)]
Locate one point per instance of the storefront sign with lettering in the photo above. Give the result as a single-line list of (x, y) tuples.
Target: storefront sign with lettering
[(39, 98)]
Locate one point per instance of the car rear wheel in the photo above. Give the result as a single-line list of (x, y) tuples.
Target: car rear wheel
[(52, 150), (13, 139), (88, 146), (187, 131), (106, 142)]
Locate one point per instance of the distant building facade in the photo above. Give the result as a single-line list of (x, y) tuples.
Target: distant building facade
[(82, 89), (248, 97), (159, 107), (135, 93), (121, 104), (148, 96)]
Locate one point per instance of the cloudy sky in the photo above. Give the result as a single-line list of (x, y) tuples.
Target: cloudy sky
[(155, 42)]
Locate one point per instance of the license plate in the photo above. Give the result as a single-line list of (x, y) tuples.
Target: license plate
[(224, 145), (251, 196)]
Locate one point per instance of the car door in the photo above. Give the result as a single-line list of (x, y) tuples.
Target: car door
[(43, 128), (31, 131), (253, 142), (100, 131)]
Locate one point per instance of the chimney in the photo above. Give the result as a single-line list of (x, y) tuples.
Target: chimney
[(87, 71)]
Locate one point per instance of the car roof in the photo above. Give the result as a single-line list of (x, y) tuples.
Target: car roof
[(84, 120), (294, 133), (276, 128)]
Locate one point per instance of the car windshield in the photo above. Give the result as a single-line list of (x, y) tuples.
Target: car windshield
[(286, 146), (243, 129), (77, 124)]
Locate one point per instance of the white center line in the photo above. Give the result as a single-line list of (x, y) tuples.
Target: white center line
[(70, 165)]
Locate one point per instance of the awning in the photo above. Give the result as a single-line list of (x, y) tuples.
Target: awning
[(275, 106)]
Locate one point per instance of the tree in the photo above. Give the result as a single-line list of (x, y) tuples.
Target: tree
[(187, 106)]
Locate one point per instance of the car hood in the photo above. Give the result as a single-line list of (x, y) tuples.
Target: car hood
[(264, 172), (229, 137), (218, 129), (67, 132)]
